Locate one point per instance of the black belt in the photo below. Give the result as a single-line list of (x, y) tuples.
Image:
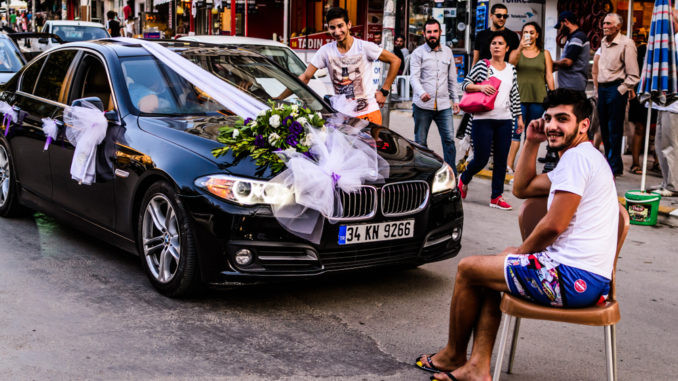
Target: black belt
[(610, 84)]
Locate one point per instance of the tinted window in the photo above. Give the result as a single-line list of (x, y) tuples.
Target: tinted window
[(91, 81), (30, 76), (70, 33), (10, 61), (52, 77), (282, 56)]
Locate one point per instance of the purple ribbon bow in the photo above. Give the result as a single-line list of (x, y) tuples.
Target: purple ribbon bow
[(6, 121), (335, 179)]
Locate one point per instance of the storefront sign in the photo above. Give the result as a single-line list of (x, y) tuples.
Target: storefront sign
[(521, 12)]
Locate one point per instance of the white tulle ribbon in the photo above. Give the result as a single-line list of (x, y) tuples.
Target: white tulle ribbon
[(343, 161), (9, 115), (236, 100), (85, 128), (51, 131)]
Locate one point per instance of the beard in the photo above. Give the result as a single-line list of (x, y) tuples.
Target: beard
[(433, 42), (567, 143)]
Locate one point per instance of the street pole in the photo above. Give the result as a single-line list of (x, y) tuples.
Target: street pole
[(629, 20), (286, 15), (388, 26), (32, 14)]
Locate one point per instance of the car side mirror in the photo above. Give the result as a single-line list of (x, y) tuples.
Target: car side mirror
[(42, 40), (111, 116), (321, 73), (93, 100)]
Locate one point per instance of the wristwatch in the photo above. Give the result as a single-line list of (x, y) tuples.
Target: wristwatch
[(384, 91)]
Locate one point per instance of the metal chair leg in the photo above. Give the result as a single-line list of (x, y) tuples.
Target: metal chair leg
[(609, 352), (514, 344), (502, 346), (613, 335)]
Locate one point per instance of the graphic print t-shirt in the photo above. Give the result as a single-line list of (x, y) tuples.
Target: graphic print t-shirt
[(351, 74)]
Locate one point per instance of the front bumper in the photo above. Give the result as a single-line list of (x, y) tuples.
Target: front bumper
[(279, 254)]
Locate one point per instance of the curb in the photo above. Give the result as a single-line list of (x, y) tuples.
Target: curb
[(663, 210)]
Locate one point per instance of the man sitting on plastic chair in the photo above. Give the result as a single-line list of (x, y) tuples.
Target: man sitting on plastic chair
[(568, 259)]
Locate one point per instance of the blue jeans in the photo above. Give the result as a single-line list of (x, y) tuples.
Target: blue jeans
[(488, 133), (443, 119), (611, 109), (531, 111)]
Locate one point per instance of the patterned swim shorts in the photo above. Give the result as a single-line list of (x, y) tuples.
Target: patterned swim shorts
[(540, 279)]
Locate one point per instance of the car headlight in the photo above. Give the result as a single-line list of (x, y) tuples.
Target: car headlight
[(245, 191), (443, 180)]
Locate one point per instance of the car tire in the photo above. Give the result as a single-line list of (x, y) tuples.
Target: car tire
[(9, 200), (166, 242)]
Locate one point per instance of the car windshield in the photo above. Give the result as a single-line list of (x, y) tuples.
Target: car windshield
[(70, 33), (282, 56), (10, 59), (154, 88)]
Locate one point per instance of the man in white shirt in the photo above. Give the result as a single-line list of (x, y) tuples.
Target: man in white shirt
[(567, 260), (349, 61)]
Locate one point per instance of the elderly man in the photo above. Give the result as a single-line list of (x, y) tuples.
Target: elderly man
[(618, 74), (574, 244)]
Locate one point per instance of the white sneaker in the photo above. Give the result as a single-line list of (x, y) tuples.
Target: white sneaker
[(665, 192)]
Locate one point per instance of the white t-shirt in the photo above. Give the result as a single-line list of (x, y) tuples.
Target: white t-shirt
[(502, 104), (590, 241), (352, 75)]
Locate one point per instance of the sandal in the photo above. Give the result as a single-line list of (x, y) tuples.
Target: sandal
[(448, 374), (431, 368), (636, 170)]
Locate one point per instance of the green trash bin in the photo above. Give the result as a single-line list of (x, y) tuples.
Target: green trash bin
[(642, 207)]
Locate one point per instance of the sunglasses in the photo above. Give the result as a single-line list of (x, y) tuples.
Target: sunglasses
[(501, 15)]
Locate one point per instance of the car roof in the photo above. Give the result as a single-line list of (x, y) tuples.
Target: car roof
[(74, 23), (233, 40)]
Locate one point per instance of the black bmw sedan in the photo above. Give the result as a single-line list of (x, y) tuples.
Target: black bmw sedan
[(150, 195)]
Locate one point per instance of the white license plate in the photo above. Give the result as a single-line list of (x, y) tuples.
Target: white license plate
[(384, 231)]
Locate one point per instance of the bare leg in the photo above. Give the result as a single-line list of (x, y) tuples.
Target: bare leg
[(638, 135), (474, 307), (513, 152)]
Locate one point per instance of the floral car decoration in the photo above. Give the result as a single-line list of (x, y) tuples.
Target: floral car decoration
[(279, 128)]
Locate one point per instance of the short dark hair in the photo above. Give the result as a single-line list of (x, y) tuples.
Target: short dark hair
[(432, 21), (498, 33), (497, 6), (581, 106), (399, 36), (336, 13), (110, 15)]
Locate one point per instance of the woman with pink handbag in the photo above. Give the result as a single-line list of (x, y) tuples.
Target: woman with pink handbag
[(491, 129)]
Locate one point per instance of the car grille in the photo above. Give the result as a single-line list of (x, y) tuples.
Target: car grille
[(358, 205), (348, 257), (397, 199), (403, 198)]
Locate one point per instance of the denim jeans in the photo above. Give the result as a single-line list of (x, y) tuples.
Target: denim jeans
[(611, 110), (531, 111), (488, 133), (443, 119)]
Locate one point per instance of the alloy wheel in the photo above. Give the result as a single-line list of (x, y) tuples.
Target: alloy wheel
[(161, 238), (4, 176)]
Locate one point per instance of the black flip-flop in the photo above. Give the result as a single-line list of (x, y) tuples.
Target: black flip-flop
[(448, 374), (421, 365)]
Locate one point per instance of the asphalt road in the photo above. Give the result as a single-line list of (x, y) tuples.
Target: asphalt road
[(72, 307)]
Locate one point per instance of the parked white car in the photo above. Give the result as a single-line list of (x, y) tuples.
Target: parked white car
[(70, 31), (278, 52)]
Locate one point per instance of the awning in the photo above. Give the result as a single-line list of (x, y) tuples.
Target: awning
[(160, 2), (18, 5)]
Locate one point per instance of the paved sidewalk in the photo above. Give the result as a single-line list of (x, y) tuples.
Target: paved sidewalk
[(402, 122)]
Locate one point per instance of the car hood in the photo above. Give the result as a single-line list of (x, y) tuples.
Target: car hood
[(407, 160)]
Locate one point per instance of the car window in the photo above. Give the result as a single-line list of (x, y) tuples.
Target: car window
[(282, 56), (70, 33), (30, 75), (51, 79), (154, 88), (257, 77), (91, 81), (10, 59)]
